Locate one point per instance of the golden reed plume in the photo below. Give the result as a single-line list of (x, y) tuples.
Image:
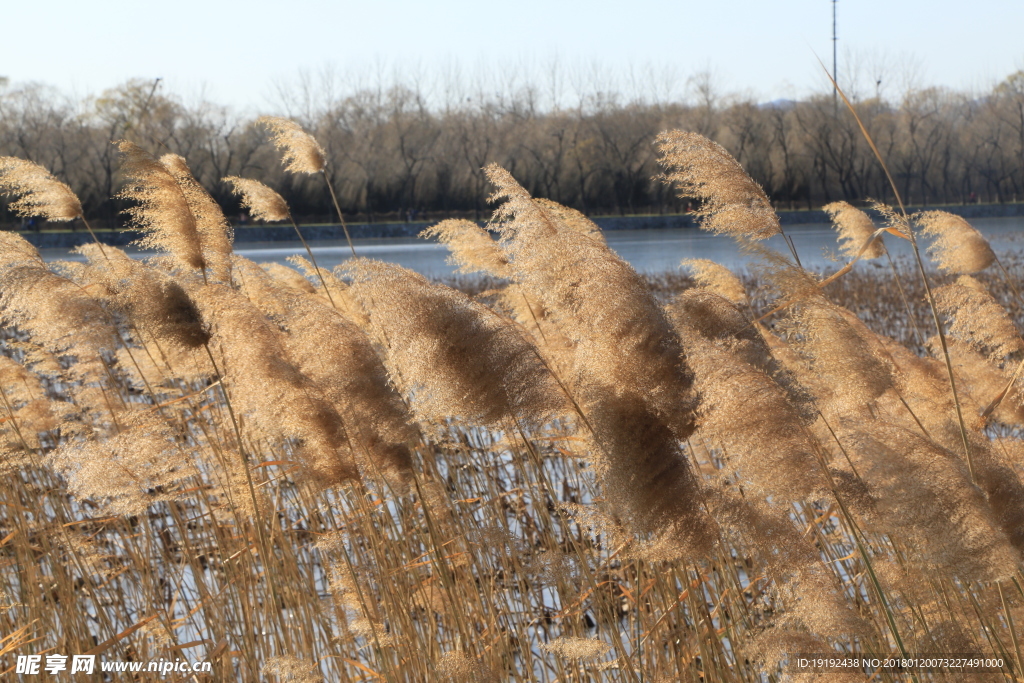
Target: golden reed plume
[(732, 203), (262, 202), (301, 152), (37, 192), (162, 210), (855, 229)]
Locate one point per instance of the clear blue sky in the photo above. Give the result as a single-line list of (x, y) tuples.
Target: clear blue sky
[(235, 52)]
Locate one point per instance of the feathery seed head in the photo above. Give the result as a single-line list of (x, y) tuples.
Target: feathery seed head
[(16, 250), (163, 211), (958, 247), (855, 229), (717, 278), (261, 201), (452, 354), (151, 299), (621, 336), (472, 248), (977, 319), (36, 191), (215, 233), (733, 203), (301, 152)]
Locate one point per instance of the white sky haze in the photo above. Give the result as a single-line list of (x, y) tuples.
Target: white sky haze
[(236, 52)]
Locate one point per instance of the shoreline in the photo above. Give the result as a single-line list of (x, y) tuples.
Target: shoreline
[(57, 239)]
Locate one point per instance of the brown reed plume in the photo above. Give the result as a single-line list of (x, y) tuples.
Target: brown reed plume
[(629, 375), (717, 278), (152, 300), (268, 205), (621, 335), (742, 408), (267, 387), (452, 355), (472, 249), (977, 319), (302, 154), (958, 248), (855, 230), (162, 210), (143, 464), (924, 493), (348, 370), (262, 202), (731, 202), (215, 233), (36, 191), (55, 311)]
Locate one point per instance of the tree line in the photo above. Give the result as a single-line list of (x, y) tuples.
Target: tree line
[(394, 152)]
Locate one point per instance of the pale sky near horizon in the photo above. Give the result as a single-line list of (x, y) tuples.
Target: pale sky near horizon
[(239, 53)]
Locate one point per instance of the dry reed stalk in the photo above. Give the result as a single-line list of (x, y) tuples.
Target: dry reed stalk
[(732, 203)]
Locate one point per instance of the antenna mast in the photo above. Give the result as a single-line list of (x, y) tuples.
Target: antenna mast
[(835, 41)]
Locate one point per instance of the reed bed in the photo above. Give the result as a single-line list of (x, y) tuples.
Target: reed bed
[(548, 468)]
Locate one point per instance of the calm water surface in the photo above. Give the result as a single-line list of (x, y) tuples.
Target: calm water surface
[(651, 251)]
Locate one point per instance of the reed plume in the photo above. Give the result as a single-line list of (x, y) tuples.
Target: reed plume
[(645, 477), (732, 203), (162, 210), (348, 370), (289, 278), (145, 463), (977, 319), (55, 311), (267, 387), (452, 355), (301, 152), (623, 341), (853, 370), (717, 278), (153, 301), (215, 233), (744, 409), (36, 191), (855, 228), (923, 493), (262, 202), (472, 249), (958, 247)]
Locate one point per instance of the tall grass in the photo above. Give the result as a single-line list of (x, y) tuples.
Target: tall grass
[(555, 470)]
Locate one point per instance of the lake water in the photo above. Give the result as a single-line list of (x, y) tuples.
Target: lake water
[(651, 251)]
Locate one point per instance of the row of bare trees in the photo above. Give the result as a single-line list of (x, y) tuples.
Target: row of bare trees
[(392, 150)]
